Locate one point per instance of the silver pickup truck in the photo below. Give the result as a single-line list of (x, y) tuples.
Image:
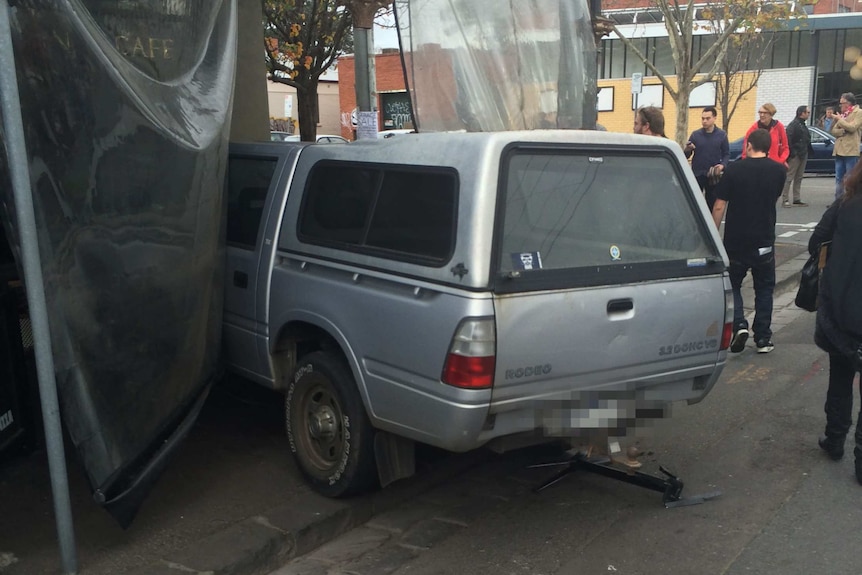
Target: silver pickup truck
[(469, 289)]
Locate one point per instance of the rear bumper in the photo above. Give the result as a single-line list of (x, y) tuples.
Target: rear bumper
[(618, 409)]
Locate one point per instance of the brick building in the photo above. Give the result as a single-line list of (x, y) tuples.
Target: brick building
[(393, 103)]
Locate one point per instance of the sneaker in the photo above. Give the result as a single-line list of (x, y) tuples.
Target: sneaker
[(799, 203), (737, 344), (764, 346), (787, 205)]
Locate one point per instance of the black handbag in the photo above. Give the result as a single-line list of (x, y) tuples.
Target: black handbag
[(809, 280)]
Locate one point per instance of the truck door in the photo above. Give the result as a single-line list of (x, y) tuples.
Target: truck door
[(250, 179)]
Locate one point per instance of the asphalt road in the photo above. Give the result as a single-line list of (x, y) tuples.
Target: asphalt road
[(785, 508), (794, 225)]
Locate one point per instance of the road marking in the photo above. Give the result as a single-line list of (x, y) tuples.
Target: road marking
[(749, 374), (809, 227)]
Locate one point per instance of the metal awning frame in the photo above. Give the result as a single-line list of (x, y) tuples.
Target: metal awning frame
[(16, 151)]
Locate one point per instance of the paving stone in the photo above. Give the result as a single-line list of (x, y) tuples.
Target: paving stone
[(429, 532), (351, 545), (240, 548), (317, 521), (383, 560)]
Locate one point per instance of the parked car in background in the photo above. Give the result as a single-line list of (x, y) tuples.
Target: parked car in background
[(279, 136), (390, 133), (820, 162), (321, 139)]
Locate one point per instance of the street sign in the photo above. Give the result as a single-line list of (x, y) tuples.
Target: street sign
[(637, 83)]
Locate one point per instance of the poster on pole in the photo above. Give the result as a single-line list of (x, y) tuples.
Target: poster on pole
[(367, 128)]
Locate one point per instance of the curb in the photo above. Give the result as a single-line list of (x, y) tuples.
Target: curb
[(261, 544), (787, 275)]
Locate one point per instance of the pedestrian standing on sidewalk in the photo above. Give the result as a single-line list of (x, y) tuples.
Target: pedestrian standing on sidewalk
[(847, 129), (711, 153), (839, 314), (751, 188), (799, 141), (828, 118), (778, 149)]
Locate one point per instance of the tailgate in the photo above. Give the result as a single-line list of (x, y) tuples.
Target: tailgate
[(660, 337), (609, 287)]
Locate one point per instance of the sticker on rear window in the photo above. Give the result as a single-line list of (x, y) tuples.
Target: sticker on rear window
[(696, 262), (527, 261), (615, 253)]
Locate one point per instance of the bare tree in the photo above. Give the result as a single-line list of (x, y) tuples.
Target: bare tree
[(748, 50), (740, 72), (720, 21)]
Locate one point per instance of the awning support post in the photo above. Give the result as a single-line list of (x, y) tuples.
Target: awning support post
[(10, 105)]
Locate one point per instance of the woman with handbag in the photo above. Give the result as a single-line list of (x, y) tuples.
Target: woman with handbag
[(839, 314)]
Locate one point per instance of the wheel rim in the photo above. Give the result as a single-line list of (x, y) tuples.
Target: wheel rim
[(321, 433)]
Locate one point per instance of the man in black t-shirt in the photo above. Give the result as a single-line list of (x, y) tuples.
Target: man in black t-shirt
[(751, 187)]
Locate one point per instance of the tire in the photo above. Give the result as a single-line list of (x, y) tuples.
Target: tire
[(330, 436)]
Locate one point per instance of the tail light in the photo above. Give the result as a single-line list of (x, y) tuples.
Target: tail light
[(727, 332), (726, 335), (472, 355)]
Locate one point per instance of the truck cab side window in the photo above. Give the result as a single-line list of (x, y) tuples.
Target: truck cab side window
[(248, 182)]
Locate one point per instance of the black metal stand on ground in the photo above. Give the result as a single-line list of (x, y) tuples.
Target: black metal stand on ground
[(670, 488)]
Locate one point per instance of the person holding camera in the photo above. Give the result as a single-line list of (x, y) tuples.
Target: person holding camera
[(839, 314), (711, 153), (847, 129)]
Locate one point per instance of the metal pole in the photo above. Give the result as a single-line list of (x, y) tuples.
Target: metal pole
[(404, 64), (363, 84), (21, 191), (363, 22), (591, 114)]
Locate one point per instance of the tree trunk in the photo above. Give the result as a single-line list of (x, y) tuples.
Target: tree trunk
[(682, 97), (307, 109)]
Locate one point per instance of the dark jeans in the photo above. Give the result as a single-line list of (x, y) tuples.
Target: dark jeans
[(708, 191), (839, 398), (763, 272)]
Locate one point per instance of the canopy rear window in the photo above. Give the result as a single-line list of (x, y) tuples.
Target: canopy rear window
[(573, 209)]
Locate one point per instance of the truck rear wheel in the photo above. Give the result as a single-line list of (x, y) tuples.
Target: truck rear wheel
[(330, 436)]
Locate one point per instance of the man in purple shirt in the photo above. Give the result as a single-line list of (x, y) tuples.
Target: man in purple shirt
[(711, 153)]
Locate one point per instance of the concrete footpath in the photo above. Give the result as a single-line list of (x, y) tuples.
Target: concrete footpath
[(229, 538)]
